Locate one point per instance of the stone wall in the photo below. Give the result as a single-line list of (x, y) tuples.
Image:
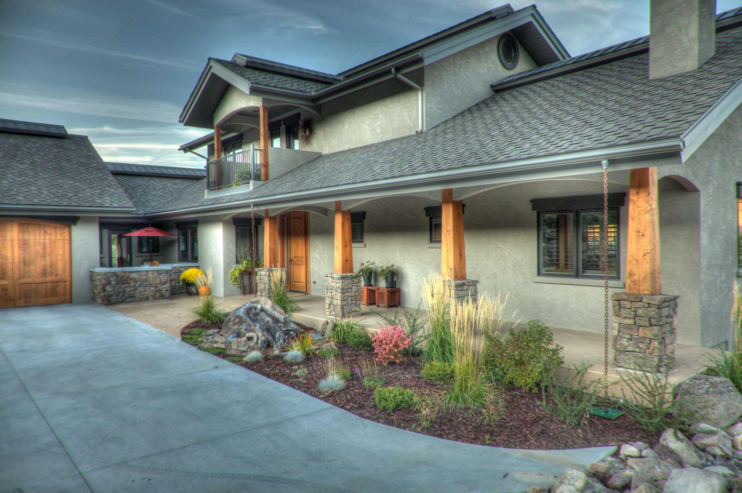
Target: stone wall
[(644, 331), (263, 280), (175, 286), (110, 288), (463, 289), (343, 294)]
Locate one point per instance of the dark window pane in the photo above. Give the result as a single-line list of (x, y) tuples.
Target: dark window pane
[(245, 247), (194, 244), (276, 138), (144, 244), (356, 230), (557, 239), (592, 243), (183, 245), (436, 230)]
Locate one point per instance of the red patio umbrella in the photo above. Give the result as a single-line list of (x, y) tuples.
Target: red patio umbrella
[(150, 232)]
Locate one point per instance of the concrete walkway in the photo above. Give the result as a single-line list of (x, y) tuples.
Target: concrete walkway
[(95, 401)]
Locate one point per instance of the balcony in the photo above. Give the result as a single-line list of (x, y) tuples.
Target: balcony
[(240, 168)]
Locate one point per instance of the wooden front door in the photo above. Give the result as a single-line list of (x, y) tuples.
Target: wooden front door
[(35, 267), (298, 249)]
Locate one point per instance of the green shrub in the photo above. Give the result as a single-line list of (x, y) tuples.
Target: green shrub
[(729, 364), (207, 311), (413, 322), (394, 398), (214, 350), (331, 384), (293, 356), (326, 352), (342, 329), (360, 340), (253, 357), (198, 331), (525, 357), (573, 398), (437, 371), (280, 294), (304, 343), (373, 382), (300, 372), (343, 373)]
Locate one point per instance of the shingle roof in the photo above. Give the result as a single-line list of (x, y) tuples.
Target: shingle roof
[(599, 107), (32, 128), (286, 66), (154, 170), (147, 191), (278, 81), (48, 171)]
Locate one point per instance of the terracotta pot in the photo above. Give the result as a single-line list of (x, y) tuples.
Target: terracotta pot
[(204, 291)]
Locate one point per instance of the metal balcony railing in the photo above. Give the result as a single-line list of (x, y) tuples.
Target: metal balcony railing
[(234, 170)]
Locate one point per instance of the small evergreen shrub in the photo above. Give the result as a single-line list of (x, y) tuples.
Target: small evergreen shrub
[(330, 352), (293, 356), (331, 384), (573, 398), (300, 372), (389, 343), (253, 357), (360, 340), (392, 399), (373, 382), (525, 357), (341, 329), (343, 373), (214, 350), (437, 371)]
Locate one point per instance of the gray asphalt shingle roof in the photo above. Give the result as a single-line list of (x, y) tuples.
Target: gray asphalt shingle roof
[(50, 171), (270, 79), (147, 191), (603, 106)]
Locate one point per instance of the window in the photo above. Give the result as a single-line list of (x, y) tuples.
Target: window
[(292, 137), (144, 244), (187, 242), (570, 236), (276, 137), (436, 230), (508, 51), (356, 226), (245, 246)]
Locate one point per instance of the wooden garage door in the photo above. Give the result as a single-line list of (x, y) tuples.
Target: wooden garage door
[(34, 263)]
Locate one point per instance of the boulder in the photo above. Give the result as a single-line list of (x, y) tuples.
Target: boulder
[(571, 481), (628, 450), (710, 442), (650, 454), (646, 488), (619, 480), (261, 322), (693, 480), (650, 471), (682, 447), (723, 470), (735, 429), (607, 467), (711, 399), (737, 442)]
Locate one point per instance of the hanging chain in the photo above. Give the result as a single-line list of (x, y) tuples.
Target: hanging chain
[(254, 275), (605, 267)]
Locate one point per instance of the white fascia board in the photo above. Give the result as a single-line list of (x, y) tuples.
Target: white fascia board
[(705, 126), (60, 209), (194, 97), (549, 36)]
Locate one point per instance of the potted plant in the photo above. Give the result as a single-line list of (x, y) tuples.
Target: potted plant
[(188, 278), (236, 273), (387, 272), (366, 269)]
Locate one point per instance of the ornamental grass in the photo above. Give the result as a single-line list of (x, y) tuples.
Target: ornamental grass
[(436, 296)]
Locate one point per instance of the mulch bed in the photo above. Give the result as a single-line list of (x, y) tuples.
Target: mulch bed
[(523, 424)]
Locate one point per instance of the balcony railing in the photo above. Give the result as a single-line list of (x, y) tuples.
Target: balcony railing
[(234, 170)]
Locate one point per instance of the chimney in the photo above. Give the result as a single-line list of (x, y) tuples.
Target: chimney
[(682, 35)]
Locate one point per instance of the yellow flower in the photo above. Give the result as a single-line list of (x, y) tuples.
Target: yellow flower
[(190, 275)]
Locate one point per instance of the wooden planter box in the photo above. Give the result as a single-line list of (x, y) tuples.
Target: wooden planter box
[(368, 295), (388, 297)]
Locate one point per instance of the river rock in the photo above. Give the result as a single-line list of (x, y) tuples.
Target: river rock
[(711, 399), (693, 480), (628, 450), (650, 471), (735, 429), (263, 323), (646, 488), (682, 447), (571, 481), (619, 480)]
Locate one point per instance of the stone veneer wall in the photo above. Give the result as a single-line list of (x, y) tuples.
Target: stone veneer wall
[(644, 331), (343, 294), (175, 286), (263, 280), (110, 288), (463, 289)]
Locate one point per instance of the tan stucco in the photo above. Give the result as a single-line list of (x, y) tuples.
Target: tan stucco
[(233, 101)]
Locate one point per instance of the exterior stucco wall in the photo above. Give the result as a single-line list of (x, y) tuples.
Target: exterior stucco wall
[(85, 255), (459, 81), (715, 168), (233, 100), (216, 244)]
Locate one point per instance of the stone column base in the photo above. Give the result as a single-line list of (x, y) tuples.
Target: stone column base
[(263, 280), (644, 331), (460, 290), (343, 294)]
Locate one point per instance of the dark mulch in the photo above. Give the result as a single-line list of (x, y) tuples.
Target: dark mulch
[(523, 424)]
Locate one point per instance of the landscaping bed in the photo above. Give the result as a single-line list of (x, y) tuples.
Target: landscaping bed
[(522, 422)]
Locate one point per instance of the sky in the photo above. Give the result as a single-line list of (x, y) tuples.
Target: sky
[(120, 71)]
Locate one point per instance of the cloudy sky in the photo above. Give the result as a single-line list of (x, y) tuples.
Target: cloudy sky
[(120, 71)]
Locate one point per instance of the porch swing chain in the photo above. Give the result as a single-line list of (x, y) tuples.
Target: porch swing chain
[(604, 163)]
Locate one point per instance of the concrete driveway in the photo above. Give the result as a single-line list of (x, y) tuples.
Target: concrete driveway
[(91, 400)]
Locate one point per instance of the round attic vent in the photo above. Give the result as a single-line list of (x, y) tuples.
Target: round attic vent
[(508, 51)]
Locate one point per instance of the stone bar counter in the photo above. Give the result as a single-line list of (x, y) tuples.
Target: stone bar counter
[(113, 285)]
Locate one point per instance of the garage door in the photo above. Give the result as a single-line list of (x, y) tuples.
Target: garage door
[(34, 263)]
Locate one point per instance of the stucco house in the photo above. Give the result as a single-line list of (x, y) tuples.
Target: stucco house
[(477, 152)]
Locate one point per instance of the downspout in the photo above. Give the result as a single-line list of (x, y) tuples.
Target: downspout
[(419, 97)]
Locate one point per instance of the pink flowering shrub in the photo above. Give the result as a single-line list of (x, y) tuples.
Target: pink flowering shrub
[(389, 343)]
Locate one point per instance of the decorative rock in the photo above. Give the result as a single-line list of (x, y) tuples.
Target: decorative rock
[(696, 481), (737, 442), (650, 454), (682, 447), (713, 400), (628, 450), (539, 481), (619, 481), (703, 441), (646, 488), (704, 429), (607, 467), (261, 322), (735, 429), (651, 471), (723, 470), (571, 481), (717, 451)]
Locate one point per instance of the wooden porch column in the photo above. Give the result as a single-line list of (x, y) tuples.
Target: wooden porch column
[(270, 240), (343, 241), (453, 255), (643, 245), (265, 143), (217, 142)]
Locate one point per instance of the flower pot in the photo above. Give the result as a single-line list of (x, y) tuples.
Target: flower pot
[(191, 289), (390, 282), (367, 279)]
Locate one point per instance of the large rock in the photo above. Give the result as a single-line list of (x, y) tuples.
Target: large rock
[(682, 447), (692, 480), (712, 400), (651, 471), (262, 323), (571, 481)]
